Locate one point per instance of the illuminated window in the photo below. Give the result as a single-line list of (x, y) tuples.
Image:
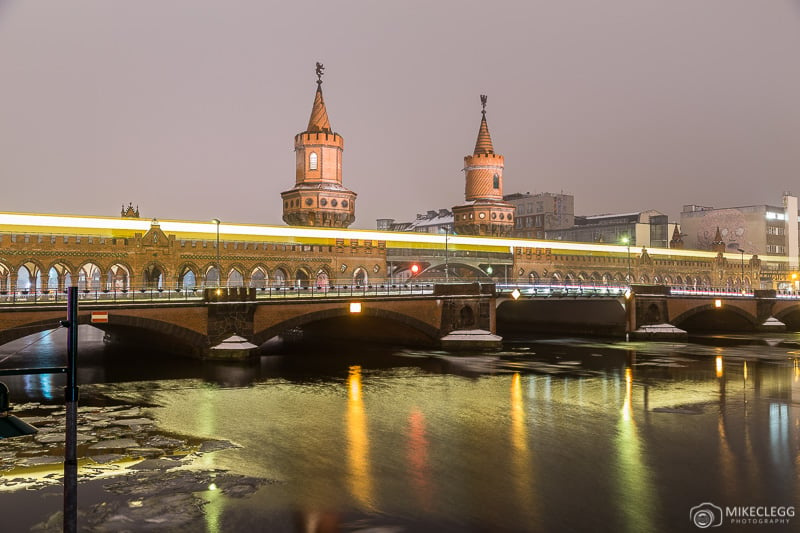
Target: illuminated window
[(312, 161)]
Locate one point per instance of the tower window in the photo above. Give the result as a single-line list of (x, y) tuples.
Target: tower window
[(312, 161), (496, 181)]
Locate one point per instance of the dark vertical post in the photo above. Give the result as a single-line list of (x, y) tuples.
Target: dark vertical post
[(71, 401)]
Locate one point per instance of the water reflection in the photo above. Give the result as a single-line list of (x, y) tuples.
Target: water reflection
[(358, 442), (522, 469), (633, 479), (634, 438), (419, 467)]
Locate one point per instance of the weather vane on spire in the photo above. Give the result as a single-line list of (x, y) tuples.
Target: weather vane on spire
[(320, 72), (483, 103)]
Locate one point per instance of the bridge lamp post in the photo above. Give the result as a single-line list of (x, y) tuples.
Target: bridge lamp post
[(446, 254), (219, 268), (742, 252), (627, 241)]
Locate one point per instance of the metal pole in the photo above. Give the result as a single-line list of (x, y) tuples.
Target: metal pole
[(446, 253), (219, 267), (71, 401), (629, 263)]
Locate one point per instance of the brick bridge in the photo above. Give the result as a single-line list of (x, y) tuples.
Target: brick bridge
[(194, 326), (570, 310)]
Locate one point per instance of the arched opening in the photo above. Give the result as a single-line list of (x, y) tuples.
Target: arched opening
[(279, 278), (533, 277), (118, 278), (25, 279), (89, 277), (235, 278), (187, 278), (301, 278), (652, 315), (466, 317), (360, 276), (312, 161), (258, 278), (153, 277), (212, 277), (322, 280)]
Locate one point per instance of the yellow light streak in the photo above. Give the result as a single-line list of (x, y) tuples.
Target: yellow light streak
[(75, 224)]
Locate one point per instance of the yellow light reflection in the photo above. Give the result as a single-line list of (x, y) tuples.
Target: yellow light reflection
[(358, 441), (520, 451), (745, 370), (627, 408), (719, 366), (634, 485)]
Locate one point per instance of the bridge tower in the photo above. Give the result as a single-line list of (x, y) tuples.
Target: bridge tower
[(484, 212), (318, 197)]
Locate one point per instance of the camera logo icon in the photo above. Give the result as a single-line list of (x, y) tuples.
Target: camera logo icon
[(706, 515)]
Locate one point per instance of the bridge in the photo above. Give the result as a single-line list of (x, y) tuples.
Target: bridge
[(642, 311), (163, 276), (194, 322)]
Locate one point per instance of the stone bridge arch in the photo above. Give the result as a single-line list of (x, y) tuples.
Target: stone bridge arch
[(343, 323), (707, 317), (130, 328), (789, 314)]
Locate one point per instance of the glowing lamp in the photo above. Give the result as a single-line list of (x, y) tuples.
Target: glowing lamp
[(355, 307)]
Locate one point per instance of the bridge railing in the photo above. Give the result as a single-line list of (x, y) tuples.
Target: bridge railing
[(562, 289), (102, 295), (345, 291), (179, 294)]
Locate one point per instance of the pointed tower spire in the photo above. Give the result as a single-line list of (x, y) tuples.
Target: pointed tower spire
[(319, 198), (484, 143), (677, 240), (319, 123), (485, 212), (718, 245)]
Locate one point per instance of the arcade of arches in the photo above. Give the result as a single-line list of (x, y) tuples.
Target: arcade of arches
[(159, 261)]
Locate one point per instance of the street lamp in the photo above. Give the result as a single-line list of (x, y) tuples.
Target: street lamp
[(627, 241), (742, 252), (219, 268)]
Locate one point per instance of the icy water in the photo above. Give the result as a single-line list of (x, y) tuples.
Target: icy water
[(548, 435)]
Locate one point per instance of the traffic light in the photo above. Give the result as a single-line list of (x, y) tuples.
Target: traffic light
[(414, 269)]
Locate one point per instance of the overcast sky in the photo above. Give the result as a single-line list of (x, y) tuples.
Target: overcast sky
[(188, 108)]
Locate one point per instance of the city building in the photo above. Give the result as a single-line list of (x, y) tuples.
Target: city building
[(484, 211), (650, 229), (439, 221), (538, 213), (318, 197), (766, 230)]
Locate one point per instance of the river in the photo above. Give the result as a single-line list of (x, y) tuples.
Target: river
[(559, 434)]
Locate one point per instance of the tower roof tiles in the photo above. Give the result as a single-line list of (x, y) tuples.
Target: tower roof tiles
[(484, 143), (319, 123)]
